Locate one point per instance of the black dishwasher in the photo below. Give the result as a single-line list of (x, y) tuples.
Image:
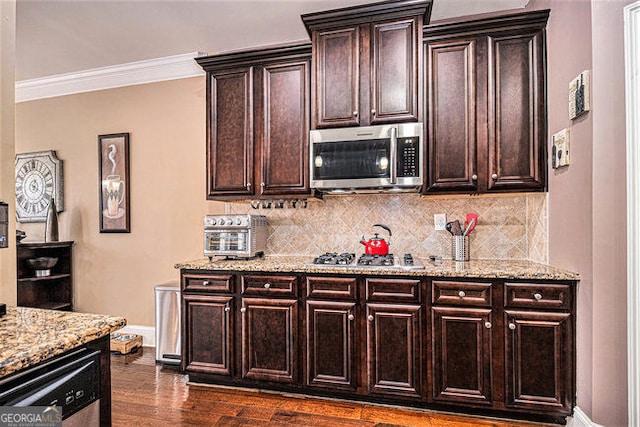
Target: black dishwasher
[(71, 381)]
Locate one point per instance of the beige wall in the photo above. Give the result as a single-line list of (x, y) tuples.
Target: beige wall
[(7, 144), (587, 211), (116, 273)]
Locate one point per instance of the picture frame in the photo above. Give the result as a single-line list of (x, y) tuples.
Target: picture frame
[(114, 183)]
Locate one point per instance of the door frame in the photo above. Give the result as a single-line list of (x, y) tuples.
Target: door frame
[(632, 90)]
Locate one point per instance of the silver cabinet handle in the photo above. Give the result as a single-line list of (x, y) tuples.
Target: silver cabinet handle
[(488, 325), (494, 176), (512, 326), (243, 309), (248, 186), (461, 294), (355, 113), (474, 177), (262, 184), (351, 316), (370, 318), (227, 309), (537, 296), (267, 285), (373, 111), (206, 283)]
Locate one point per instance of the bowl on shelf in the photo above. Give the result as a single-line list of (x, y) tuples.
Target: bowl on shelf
[(42, 265)]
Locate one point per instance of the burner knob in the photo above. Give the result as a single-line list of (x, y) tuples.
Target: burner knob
[(239, 221)]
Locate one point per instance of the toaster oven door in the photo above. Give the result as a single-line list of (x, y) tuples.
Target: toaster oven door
[(226, 242)]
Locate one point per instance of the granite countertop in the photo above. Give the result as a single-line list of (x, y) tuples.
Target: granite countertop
[(31, 335), (489, 269)]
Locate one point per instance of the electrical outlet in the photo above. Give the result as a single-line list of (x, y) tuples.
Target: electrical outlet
[(440, 221), (560, 149)]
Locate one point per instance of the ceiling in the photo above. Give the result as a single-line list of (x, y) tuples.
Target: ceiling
[(64, 36)]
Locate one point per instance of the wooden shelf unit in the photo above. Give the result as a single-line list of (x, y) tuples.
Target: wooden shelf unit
[(53, 292)]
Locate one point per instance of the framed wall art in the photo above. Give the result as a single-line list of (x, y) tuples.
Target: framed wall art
[(115, 206)]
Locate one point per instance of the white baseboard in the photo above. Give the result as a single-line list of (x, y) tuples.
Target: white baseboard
[(148, 334), (580, 419)]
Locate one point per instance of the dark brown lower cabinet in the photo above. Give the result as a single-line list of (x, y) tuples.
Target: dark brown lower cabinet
[(269, 339), (209, 334), (539, 361), (462, 355), (394, 350), (330, 345)]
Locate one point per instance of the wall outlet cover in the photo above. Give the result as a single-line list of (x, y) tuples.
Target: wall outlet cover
[(440, 221), (579, 89), (560, 154)]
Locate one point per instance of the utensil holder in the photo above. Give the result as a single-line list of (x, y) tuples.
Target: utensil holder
[(460, 248)]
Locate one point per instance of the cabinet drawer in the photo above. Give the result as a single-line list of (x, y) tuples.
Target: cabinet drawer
[(207, 283), (476, 294), (331, 287), (538, 295), (269, 285), (393, 290)]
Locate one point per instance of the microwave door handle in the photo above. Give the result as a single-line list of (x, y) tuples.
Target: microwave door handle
[(394, 155)]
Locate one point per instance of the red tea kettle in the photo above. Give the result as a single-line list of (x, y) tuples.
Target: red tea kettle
[(376, 245)]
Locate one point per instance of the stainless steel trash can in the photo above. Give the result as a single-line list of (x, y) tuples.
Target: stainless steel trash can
[(168, 323)]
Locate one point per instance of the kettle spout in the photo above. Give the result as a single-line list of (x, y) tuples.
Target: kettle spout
[(363, 242)]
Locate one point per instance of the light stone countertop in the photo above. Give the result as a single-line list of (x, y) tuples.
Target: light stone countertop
[(31, 335), (485, 269)]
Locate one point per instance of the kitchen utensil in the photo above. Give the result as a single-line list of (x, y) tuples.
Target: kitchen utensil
[(471, 216), (456, 228), (469, 227), (376, 245), (449, 227)]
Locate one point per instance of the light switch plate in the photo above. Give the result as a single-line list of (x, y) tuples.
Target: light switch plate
[(579, 89), (560, 149), (440, 221)]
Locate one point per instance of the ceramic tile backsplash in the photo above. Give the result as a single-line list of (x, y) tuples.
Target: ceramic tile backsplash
[(511, 227)]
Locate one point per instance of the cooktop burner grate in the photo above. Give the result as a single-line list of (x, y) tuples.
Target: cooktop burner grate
[(348, 259)]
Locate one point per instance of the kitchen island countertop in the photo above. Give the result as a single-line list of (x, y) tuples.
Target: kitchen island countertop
[(31, 335), (485, 268)]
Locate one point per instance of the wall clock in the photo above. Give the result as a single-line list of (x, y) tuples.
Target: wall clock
[(38, 179)]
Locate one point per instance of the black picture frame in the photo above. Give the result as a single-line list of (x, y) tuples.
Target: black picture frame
[(114, 183)]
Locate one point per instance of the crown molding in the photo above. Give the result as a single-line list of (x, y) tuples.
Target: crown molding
[(128, 74)]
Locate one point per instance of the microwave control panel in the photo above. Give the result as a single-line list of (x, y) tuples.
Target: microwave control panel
[(407, 155)]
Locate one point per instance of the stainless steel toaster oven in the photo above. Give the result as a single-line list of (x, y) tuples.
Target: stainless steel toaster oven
[(235, 236)]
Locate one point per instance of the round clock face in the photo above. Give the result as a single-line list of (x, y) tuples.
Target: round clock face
[(37, 181)]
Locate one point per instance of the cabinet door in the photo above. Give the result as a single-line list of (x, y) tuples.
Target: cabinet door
[(394, 72), (209, 338), (330, 345), (283, 110), (451, 104), (540, 370), (394, 354), (461, 355), (269, 337), (230, 138), (517, 112), (337, 77)]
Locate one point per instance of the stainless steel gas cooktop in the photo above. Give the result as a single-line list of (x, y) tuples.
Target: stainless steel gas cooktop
[(348, 260)]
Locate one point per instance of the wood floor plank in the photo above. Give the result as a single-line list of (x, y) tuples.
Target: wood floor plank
[(148, 394)]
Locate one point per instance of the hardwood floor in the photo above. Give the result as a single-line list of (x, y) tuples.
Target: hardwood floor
[(146, 394)]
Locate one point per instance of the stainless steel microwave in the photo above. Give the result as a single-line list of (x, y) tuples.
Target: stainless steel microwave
[(380, 158)]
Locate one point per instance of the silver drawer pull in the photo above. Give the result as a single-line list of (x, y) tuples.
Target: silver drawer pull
[(474, 177), (537, 296), (488, 325), (461, 294), (370, 318), (267, 285), (243, 309), (227, 309), (351, 317), (206, 283), (512, 326), (494, 176)]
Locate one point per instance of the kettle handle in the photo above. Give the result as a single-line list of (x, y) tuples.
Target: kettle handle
[(383, 226)]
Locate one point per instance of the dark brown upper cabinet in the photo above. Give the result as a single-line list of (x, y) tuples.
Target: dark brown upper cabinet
[(485, 95), (366, 62), (258, 122)]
